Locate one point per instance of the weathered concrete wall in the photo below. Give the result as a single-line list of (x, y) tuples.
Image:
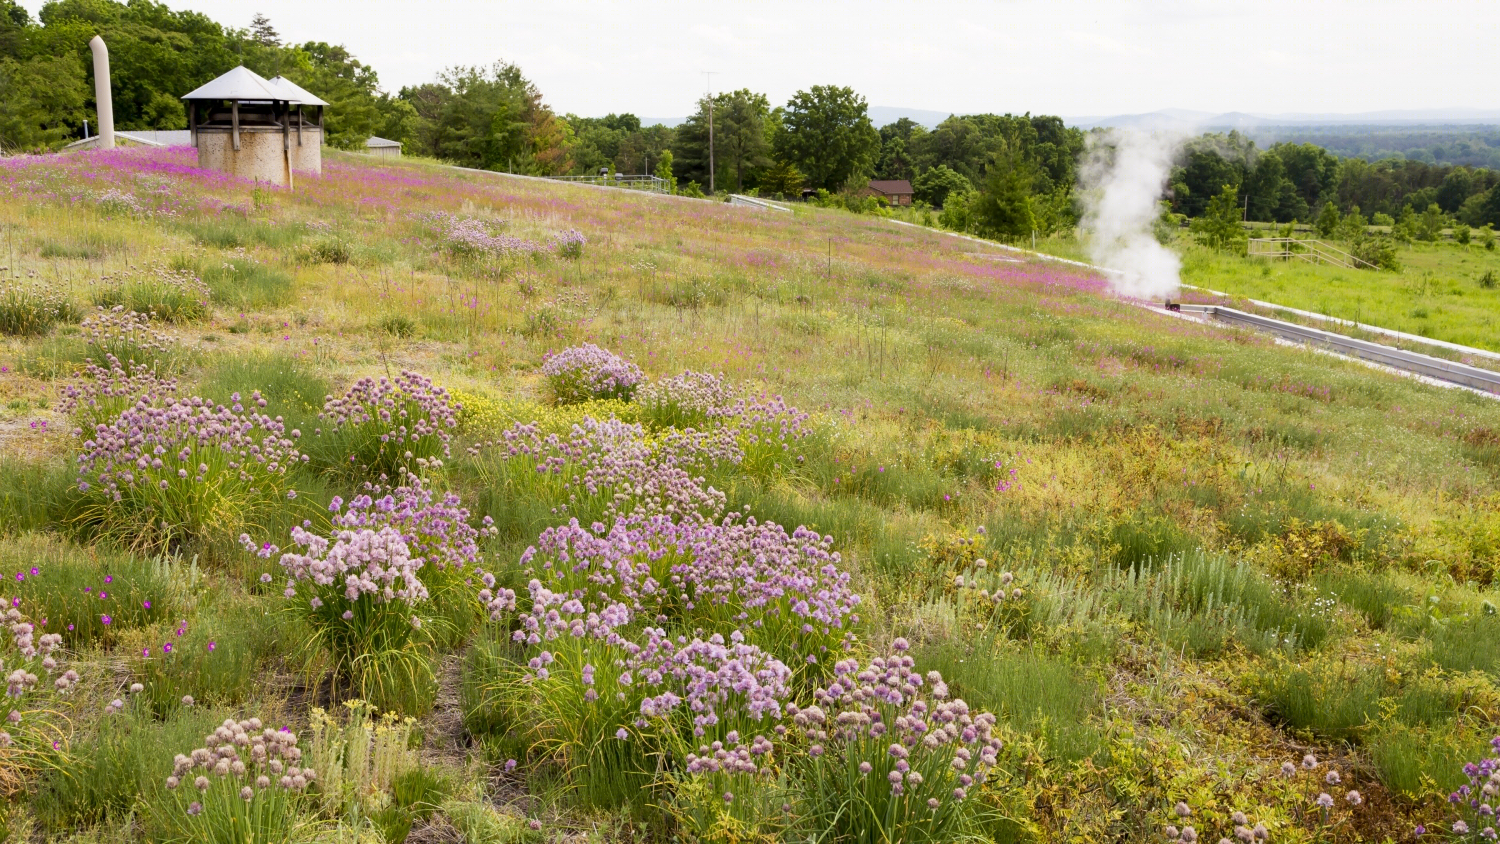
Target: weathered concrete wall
[(260, 157), (308, 158)]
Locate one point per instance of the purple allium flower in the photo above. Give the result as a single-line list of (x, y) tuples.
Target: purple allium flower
[(1354, 798), (1324, 801), (621, 734), (583, 373)]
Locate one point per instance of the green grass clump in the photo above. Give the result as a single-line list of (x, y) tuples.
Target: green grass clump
[(1032, 692), (89, 595), (117, 761), (30, 310), (244, 283), (214, 658)]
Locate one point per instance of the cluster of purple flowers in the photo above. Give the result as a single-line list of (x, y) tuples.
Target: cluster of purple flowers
[(435, 528), (763, 428), (122, 333), (690, 396), (570, 243), (238, 762), (588, 372), (731, 756), (36, 653), (98, 394), (386, 425), (593, 650), (786, 592), (894, 738), (116, 201), (182, 461), (355, 563), (605, 470), (1475, 800), (474, 237)]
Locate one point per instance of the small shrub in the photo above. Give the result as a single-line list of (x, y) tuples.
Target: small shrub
[(211, 659), (381, 427), (120, 760), (242, 282), (587, 372), (361, 760), (398, 325), (1487, 280), (328, 250)]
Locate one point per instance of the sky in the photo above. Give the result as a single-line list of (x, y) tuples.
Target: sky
[(1069, 58)]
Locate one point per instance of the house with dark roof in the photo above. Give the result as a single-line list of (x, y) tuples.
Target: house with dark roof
[(891, 191)]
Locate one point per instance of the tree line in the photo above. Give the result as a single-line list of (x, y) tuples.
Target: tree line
[(1002, 176), (1302, 182)]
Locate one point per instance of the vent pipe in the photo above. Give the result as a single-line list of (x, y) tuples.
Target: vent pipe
[(101, 94)]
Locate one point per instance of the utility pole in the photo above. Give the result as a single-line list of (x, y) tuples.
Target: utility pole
[(710, 75)]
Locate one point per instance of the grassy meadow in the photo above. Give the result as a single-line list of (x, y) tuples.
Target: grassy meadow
[(1157, 560), (1444, 291)]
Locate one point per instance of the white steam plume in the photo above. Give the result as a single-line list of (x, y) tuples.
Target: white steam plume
[(1123, 176)]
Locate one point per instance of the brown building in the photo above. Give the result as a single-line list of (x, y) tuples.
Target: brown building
[(890, 191)]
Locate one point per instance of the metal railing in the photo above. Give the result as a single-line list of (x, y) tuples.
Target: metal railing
[(1311, 251), (620, 180)]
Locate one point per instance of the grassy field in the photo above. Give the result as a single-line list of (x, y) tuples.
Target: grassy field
[(1167, 558), (1437, 294)]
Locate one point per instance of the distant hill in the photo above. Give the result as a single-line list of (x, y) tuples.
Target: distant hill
[(1179, 119)]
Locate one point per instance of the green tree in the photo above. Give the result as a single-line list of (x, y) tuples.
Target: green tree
[(1487, 209), (1003, 209), (1354, 226), (1328, 220), (489, 118), (664, 170), (740, 132), (40, 100), (936, 184), (351, 88), (782, 179), (1430, 224), (1219, 226), (957, 214), (828, 136)]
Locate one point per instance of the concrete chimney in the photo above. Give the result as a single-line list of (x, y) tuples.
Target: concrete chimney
[(101, 94)]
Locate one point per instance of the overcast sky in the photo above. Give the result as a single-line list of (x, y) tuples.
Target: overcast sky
[(1068, 58)]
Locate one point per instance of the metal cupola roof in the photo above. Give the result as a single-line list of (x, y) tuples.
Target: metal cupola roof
[(242, 84), (300, 95)]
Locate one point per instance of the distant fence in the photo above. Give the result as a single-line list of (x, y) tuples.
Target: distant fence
[(619, 180), (1311, 251)]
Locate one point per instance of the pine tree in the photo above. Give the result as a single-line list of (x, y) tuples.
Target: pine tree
[(262, 32)]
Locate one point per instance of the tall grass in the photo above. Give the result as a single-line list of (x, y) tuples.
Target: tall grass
[(1038, 694)]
